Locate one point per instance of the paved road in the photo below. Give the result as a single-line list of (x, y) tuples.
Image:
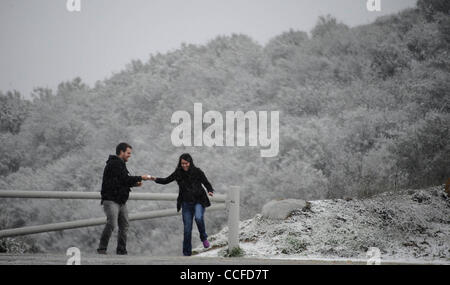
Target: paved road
[(91, 259)]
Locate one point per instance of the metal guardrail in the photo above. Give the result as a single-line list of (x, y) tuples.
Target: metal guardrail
[(231, 201), (92, 222), (95, 195)]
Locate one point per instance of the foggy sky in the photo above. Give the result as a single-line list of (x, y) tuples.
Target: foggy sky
[(42, 43)]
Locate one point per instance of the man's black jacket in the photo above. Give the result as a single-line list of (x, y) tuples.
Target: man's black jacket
[(117, 181)]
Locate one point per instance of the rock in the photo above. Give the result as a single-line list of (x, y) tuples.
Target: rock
[(341, 219), (421, 197), (307, 207), (280, 210), (410, 243)]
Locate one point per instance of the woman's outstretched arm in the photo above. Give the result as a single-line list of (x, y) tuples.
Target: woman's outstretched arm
[(205, 182), (166, 180)]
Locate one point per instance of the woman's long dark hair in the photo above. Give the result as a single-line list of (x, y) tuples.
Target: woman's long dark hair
[(188, 158)]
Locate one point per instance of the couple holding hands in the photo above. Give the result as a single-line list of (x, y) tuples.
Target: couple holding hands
[(192, 198)]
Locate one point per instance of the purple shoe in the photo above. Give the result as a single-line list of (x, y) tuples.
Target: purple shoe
[(205, 243)]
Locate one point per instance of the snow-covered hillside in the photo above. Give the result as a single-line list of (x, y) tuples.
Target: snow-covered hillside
[(406, 225)]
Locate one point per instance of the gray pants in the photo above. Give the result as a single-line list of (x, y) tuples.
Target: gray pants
[(116, 215)]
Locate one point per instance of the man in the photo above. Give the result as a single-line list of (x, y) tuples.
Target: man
[(115, 192)]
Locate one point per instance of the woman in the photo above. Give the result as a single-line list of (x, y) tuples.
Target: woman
[(192, 198)]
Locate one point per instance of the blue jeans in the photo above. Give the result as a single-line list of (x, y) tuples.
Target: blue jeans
[(190, 211)]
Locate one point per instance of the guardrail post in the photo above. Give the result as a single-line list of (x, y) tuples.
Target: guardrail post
[(233, 217)]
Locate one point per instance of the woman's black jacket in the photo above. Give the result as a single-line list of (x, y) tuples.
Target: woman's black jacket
[(189, 186)]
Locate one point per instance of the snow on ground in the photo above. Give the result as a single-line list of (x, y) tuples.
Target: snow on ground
[(407, 226)]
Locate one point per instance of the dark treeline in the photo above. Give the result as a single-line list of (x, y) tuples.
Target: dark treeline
[(362, 110)]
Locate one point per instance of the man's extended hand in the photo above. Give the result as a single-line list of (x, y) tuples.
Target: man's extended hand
[(149, 177), (146, 177), (210, 193)]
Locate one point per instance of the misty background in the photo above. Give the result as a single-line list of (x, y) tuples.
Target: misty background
[(364, 108), (43, 43)]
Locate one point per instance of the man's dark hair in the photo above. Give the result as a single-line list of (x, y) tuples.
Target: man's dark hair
[(122, 147)]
